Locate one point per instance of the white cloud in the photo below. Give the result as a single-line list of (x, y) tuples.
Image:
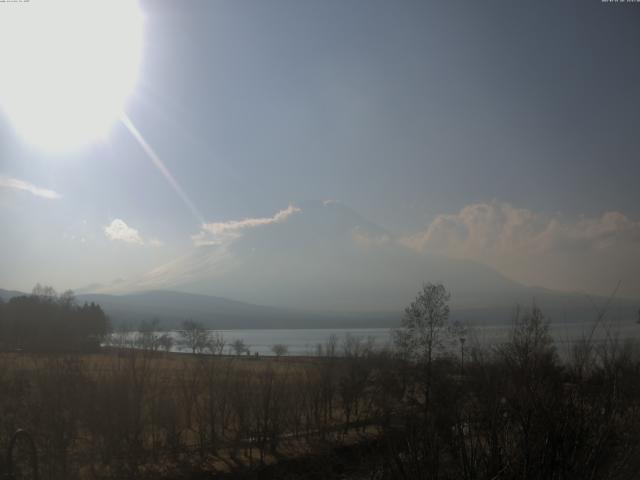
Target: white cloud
[(582, 253), (219, 233), (119, 231), (16, 184), (500, 228)]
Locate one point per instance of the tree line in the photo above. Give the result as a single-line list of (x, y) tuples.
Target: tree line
[(47, 321)]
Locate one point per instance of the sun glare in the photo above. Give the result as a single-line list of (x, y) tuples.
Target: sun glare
[(67, 68)]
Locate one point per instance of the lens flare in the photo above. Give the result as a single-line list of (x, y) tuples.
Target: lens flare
[(68, 67), (159, 164)]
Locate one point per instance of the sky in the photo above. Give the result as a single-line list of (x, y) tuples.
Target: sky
[(504, 132)]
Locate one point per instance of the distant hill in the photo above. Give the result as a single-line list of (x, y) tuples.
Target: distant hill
[(6, 295), (171, 308)]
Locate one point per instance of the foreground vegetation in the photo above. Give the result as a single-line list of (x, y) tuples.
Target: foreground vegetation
[(513, 411)]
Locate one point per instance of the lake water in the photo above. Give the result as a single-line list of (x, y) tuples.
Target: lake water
[(304, 341), (298, 341)]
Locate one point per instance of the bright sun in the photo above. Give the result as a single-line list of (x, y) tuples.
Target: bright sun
[(67, 68)]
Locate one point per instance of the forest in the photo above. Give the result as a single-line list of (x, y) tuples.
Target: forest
[(45, 321)]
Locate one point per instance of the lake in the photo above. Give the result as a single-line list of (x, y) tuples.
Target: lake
[(304, 341)]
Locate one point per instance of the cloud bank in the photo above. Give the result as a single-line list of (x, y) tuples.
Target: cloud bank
[(590, 254), (222, 233), (16, 184)]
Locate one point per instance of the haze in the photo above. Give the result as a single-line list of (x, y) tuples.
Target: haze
[(328, 143)]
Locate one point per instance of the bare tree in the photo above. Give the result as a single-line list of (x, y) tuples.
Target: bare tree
[(423, 329), (44, 292), (530, 343), (424, 324), (238, 346), (165, 341), (122, 337), (329, 348), (280, 349), (194, 336), (459, 333), (147, 337), (216, 343)]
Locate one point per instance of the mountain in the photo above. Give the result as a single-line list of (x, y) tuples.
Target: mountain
[(315, 265), (324, 261), (171, 308), (324, 257), (7, 295)]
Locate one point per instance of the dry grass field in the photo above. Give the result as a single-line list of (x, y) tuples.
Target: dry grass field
[(146, 414)]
